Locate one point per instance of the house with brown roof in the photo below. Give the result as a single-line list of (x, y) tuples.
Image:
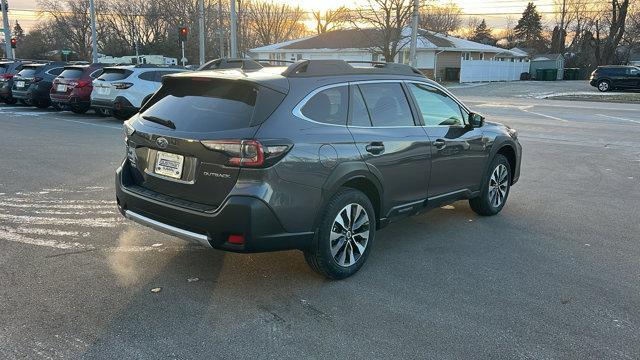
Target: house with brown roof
[(435, 52)]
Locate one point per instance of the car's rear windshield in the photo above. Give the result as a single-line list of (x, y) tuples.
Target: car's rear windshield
[(71, 73), (28, 72), (207, 105), (114, 74)]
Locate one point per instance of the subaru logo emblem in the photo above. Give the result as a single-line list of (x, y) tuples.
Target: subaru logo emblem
[(162, 142)]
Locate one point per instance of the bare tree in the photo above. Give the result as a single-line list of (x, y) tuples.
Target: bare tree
[(70, 19), (442, 19), (331, 19), (609, 31), (272, 22), (387, 18)]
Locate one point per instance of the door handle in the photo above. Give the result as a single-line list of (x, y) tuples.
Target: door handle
[(439, 144), (375, 148)]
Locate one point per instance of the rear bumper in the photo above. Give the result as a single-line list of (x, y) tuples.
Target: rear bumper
[(69, 99), (32, 93), (119, 104), (238, 215)]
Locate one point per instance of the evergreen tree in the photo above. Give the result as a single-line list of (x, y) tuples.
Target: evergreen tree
[(482, 34), (528, 31)]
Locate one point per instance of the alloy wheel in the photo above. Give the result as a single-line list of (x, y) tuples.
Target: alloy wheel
[(349, 235), (603, 86), (498, 185)]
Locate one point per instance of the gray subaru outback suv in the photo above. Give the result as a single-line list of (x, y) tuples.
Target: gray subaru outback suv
[(317, 157)]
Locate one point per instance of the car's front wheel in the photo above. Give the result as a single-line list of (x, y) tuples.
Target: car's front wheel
[(604, 85), (495, 188), (345, 236)]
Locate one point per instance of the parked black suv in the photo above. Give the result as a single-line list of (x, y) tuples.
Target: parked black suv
[(8, 69), (317, 157), (611, 77), (33, 83)]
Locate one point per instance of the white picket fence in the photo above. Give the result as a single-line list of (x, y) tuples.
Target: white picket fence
[(491, 70)]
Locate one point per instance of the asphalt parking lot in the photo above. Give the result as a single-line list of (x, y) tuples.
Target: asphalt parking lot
[(555, 276)]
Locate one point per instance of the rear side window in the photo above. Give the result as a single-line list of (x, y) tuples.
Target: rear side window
[(387, 104), (115, 74), (71, 73), (359, 112), (148, 76), (633, 72), (27, 72), (212, 105), (328, 106), (55, 71)]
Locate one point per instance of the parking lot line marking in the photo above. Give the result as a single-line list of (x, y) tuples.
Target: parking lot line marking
[(618, 118), (544, 115), (88, 123)]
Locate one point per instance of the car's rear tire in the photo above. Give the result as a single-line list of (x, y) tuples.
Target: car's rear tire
[(57, 106), (42, 104), (495, 188), (604, 85), (345, 235), (79, 109), (10, 100)]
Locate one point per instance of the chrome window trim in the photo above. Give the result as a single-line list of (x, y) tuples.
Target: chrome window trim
[(298, 113), (297, 110)]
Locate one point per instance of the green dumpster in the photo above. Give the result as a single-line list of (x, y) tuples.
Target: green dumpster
[(540, 74), (550, 74)]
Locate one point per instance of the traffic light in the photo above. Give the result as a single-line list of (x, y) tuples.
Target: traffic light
[(182, 33), (14, 42)]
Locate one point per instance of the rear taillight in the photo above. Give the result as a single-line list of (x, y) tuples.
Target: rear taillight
[(80, 83), (6, 76), (36, 79), (247, 153), (122, 85)]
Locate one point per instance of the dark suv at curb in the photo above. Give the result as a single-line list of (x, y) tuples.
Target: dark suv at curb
[(33, 83), (613, 77), (317, 157)]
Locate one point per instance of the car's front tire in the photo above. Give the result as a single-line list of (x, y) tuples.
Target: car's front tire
[(604, 85), (495, 188), (345, 236)]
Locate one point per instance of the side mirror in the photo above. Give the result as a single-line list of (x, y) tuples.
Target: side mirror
[(476, 120)]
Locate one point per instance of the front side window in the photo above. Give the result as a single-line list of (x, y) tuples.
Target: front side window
[(328, 106), (436, 107), (387, 104)]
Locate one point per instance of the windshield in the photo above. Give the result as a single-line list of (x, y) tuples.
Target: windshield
[(71, 73), (115, 74), (211, 104), (27, 72)]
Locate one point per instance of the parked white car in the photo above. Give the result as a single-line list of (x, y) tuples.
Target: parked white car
[(121, 90)]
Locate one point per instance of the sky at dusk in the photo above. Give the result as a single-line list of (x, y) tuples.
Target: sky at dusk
[(495, 12)]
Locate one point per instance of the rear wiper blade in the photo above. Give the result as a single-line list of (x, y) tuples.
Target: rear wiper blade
[(161, 121)]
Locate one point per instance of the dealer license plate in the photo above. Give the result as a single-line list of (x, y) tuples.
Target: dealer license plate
[(169, 165)]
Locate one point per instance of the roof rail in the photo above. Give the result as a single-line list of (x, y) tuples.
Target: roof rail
[(231, 63), (309, 68)]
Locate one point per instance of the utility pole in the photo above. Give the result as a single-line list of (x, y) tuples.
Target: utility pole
[(7, 30), (220, 34), (414, 33), (234, 35), (135, 41), (201, 28), (94, 41)]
